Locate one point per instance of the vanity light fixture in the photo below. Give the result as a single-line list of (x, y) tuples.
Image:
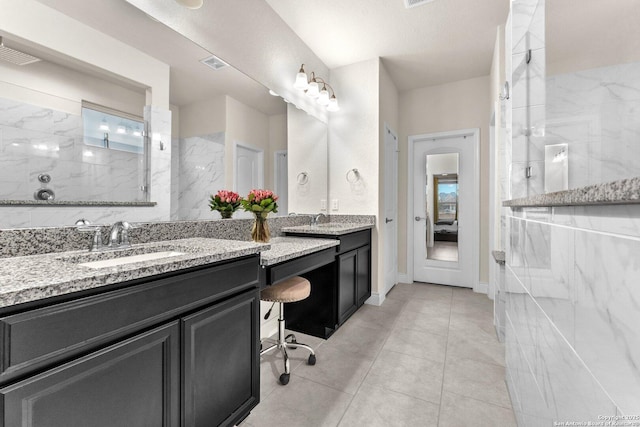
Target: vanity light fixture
[(316, 88), (104, 125), (121, 129), (137, 132), (272, 93)]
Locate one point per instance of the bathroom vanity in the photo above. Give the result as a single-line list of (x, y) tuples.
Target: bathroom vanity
[(176, 344), (337, 289)]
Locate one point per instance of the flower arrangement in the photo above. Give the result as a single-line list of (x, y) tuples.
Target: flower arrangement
[(260, 203), (226, 202)]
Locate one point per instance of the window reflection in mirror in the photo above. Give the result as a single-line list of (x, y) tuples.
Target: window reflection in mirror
[(442, 207)]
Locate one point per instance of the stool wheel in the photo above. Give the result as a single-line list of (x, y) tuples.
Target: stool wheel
[(284, 379), (312, 359)]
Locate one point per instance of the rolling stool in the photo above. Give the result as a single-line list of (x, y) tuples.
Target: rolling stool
[(291, 290)]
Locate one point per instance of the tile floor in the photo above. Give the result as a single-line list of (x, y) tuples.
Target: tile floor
[(427, 357)]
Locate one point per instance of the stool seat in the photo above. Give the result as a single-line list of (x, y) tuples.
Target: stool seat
[(291, 290)]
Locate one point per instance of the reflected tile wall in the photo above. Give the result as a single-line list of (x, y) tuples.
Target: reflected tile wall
[(36, 140), (97, 158), (596, 112), (201, 174)]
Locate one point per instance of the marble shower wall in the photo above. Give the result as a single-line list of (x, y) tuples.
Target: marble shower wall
[(571, 275), (573, 345), (36, 140), (159, 190), (201, 173)]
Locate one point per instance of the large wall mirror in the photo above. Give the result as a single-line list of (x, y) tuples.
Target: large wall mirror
[(584, 127), (68, 131), (227, 131)]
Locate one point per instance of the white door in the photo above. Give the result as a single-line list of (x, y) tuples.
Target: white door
[(445, 188), (280, 181), (249, 172), (390, 210)]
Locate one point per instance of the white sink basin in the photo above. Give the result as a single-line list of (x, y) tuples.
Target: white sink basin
[(114, 262)]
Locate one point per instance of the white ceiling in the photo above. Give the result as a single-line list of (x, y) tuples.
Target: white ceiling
[(435, 43), (191, 81)]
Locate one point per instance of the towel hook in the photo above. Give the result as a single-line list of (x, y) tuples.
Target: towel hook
[(303, 178), (353, 175)]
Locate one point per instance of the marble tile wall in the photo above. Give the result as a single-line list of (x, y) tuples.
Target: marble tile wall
[(573, 346), (35, 140), (201, 174), (159, 189), (571, 294)]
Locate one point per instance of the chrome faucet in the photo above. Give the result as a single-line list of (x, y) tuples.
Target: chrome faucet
[(316, 218), (119, 235)]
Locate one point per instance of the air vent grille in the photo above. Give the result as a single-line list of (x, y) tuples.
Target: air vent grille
[(15, 56), (414, 3), (214, 62)]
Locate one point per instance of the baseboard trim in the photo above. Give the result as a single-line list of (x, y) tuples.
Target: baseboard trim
[(375, 299), (404, 278), (481, 288)]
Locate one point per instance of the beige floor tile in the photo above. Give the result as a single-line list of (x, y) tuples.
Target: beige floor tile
[(430, 291), (418, 344), (462, 345), (460, 411), (337, 369), (369, 316), (477, 380), (392, 305), (353, 338), (376, 407), (436, 308), (424, 322), (401, 291), (300, 403), (413, 376)]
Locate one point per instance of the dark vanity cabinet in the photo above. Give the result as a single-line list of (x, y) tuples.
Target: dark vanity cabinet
[(351, 287), (176, 350), (354, 273)]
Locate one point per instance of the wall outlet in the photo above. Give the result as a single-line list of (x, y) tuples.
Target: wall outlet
[(334, 204), (323, 204)]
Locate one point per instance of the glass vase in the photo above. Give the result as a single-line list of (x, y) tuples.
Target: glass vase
[(226, 214), (260, 231)]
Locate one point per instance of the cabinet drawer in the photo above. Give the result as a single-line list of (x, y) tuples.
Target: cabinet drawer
[(300, 265), (354, 240), (38, 338)]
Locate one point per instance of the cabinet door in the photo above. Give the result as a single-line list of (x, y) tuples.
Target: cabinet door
[(133, 383), (363, 283), (221, 377), (347, 268)]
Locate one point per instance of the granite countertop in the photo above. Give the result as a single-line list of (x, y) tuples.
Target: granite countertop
[(499, 257), (329, 228), (622, 192), (34, 277), (286, 248)]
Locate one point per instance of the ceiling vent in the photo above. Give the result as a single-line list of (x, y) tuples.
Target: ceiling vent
[(214, 62), (414, 3), (15, 56)]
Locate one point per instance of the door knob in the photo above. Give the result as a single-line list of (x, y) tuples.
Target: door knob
[(388, 220), (419, 218)]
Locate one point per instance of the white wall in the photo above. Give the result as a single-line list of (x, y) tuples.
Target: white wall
[(451, 106), (204, 117), (46, 27), (354, 142)]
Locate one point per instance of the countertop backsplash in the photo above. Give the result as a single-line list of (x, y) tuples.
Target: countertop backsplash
[(41, 240)]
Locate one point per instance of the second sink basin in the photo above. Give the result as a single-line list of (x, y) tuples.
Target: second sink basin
[(114, 262)]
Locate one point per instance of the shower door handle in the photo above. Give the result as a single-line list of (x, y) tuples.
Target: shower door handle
[(419, 218)]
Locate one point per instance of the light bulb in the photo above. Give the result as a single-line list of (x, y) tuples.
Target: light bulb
[(137, 132), (313, 90), (301, 82), (104, 125), (323, 97), (121, 129), (333, 104)]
